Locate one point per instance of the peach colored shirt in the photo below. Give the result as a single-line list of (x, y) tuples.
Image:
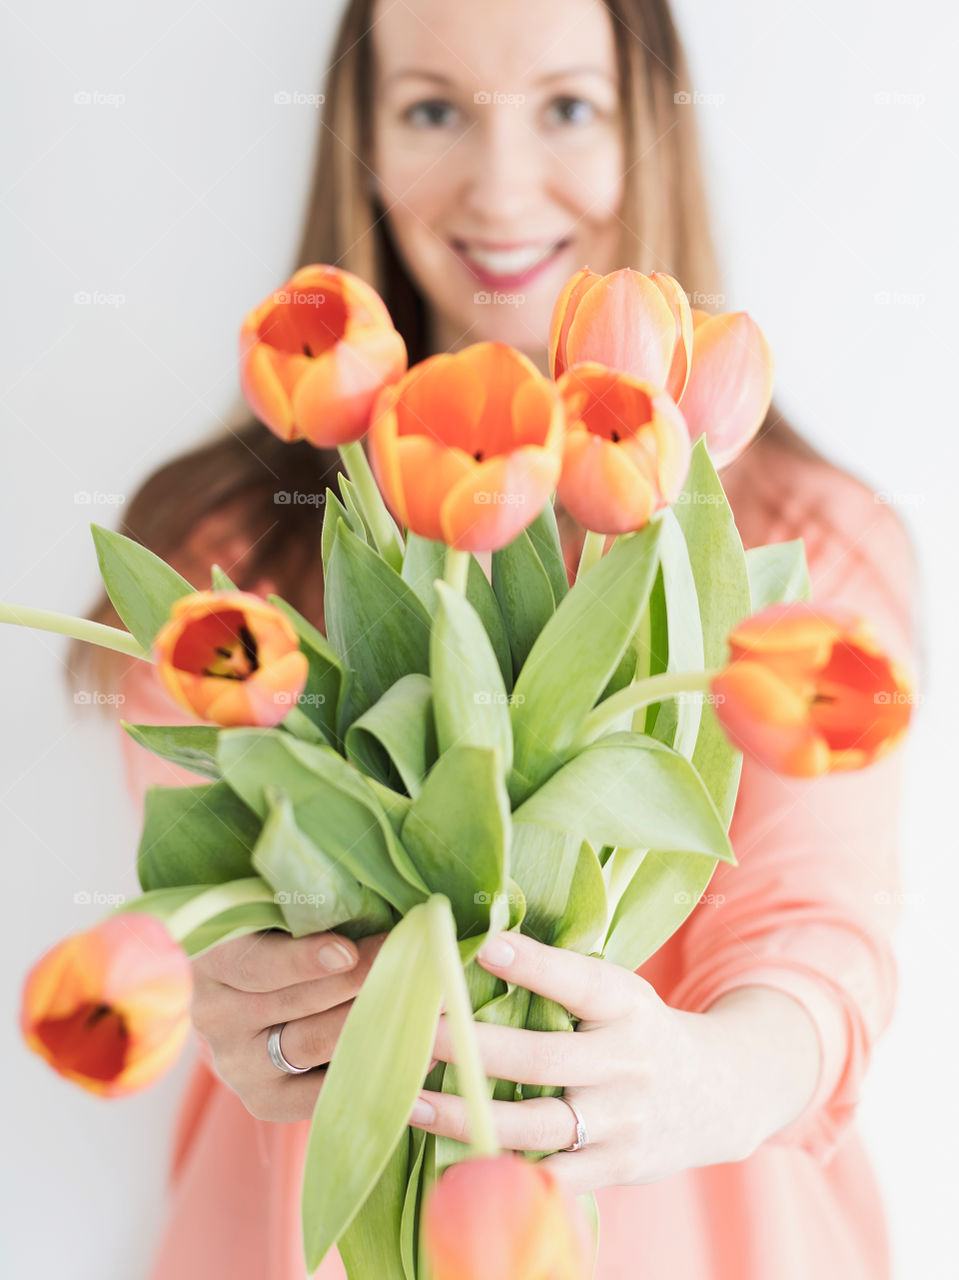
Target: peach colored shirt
[(809, 910)]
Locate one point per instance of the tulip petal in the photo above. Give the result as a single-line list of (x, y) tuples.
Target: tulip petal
[(678, 304), (730, 384), (624, 322), (265, 393), (334, 396), (563, 311), (498, 498), (601, 487), (429, 472)]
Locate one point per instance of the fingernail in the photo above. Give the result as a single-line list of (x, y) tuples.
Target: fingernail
[(497, 952), (422, 1112), (333, 956)]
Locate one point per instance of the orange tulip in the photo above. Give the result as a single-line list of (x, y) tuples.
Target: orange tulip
[(467, 446), (640, 325), (809, 691), (315, 354), (230, 657), (626, 451), (730, 383), (504, 1217), (110, 1008)]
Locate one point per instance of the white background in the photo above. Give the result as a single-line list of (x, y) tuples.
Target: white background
[(832, 149)]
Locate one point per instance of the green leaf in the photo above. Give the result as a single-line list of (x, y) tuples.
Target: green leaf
[(544, 535), (462, 849), (722, 585), (397, 729), (195, 835), (372, 1244), (143, 587), (522, 589), (370, 1086), (678, 719), (778, 574), (324, 684), (480, 594), (332, 802), (314, 893), (333, 512), (355, 515), (575, 656), (543, 860), (423, 562), (252, 917), (631, 791), (583, 922), (220, 581), (191, 745), (375, 621), (469, 698)]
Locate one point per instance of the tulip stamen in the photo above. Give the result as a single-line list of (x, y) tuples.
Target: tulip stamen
[(478, 455), (96, 1013), (306, 350), (615, 437)]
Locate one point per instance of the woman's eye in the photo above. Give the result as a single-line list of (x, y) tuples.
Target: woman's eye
[(573, 110), (430, 112)]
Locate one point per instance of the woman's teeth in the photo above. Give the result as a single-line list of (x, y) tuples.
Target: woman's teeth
[(509, 262)]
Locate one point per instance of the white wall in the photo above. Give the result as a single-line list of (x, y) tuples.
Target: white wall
[(831, 139)]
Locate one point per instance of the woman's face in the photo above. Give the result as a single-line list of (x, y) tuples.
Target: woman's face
[(498, 156)]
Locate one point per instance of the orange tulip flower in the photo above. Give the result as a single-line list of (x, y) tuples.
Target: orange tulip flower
[(110, 1008), (315, 354), (467, 446), (809, 691), (626, 451), (640, 325), (507, 1217), (230, 657), (730, 383)]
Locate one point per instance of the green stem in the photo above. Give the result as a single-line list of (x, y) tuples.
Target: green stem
[(456, 569), (385, 533), (641, 694), (642, 639), (65, 624), (469, 1067), (593, 545)]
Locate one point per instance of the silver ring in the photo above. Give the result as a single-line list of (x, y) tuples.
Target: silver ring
[(582, 1137), (276, 1053)]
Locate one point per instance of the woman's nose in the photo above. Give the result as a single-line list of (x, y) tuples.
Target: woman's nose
[(506, 166)]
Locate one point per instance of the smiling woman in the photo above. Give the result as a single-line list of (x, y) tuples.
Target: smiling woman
[(473, 158)]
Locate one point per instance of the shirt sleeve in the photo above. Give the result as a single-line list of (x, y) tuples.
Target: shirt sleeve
[(813, 903)]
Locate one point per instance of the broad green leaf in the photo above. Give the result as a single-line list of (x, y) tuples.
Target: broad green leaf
[(372, 1244), (333, 512), (191, 745), (524, 594), (632, 791), (397, 730), (143, 587), (375, 621), (777, 574), (722, 585), (544, 535), (457, 833), (321, 694), (678, 719), (253, 917), (195, 835), (480, 594), (423, 562), (333, 804), (412, 1200), (370, 1086), (314, 893), (220, 581), (575, 656), (582, 925), (543, 861), (470, 703)]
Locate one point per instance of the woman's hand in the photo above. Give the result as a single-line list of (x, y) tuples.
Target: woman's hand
[(244, 987), (651, 1082)]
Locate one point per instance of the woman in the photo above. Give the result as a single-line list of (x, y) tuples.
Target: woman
[(470, 161)]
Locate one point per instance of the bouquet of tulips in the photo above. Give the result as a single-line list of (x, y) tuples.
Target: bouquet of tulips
[(462, 752)]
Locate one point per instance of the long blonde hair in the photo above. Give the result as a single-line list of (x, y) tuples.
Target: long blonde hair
[(237, 473)]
